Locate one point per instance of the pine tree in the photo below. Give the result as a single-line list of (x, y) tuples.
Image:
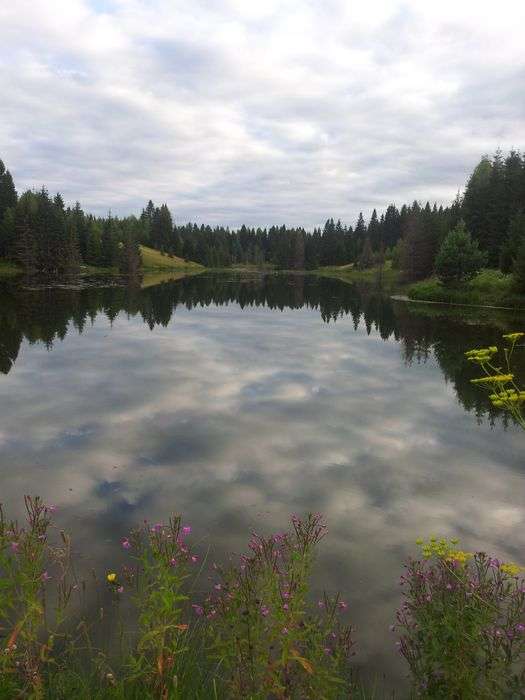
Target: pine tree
[(459, 257), (8, 195)]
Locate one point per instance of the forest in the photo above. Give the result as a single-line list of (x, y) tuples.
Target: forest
[(41, 234)]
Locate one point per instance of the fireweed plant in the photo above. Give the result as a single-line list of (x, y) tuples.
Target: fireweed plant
[(32, 621), (269, 642), (157, 580), (257, 634), (499, 380), (462, 624)]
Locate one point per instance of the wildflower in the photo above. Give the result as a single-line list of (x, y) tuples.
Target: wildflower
[(264, 611), (494, 379), (342, 605), (520, 628), (14, 547), (286, 606), (218, 587), (186, 530), (511, 569), (513, 337), (327, 650), (173, 562), (199, 610), (51, 508), (126, 544), (120, 589), (285, 630), (111, 578), (320, 604), (194, 559), (45, 576)]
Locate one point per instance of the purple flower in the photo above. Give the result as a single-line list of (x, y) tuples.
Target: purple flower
[(14, 547), (120, 589), (199, 610), (45, 576), (194, 559), (264, 610), (217, 587), (520, 628), (126, 543), (286, 606), (186, 530), (320, 604), (51, 508), (173, 562), (342, 605)]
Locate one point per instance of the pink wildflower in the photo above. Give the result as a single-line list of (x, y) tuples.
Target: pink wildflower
[(120, 589), (45, 576), (186, 530), (14, 547), (199, 610), (126, 544)]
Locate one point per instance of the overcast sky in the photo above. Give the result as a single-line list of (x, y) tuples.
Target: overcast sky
[(269, 111)]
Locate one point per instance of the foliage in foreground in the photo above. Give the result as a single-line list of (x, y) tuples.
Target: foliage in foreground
[(499, 380), (256, 634), (462, 624)]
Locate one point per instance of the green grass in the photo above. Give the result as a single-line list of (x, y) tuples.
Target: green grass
[(155, 260), (350, 273), (488, 288), (8, 269)]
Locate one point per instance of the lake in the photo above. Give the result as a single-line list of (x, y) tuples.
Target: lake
[(240, 399)]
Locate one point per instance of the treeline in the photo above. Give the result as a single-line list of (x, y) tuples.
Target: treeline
[(40, 233)]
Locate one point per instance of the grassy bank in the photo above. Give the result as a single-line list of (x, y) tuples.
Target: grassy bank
[(385, 276), (155, 260), (488, 288), (167, 626)]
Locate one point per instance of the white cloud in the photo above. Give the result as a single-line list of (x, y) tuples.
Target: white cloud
[(268, 112)]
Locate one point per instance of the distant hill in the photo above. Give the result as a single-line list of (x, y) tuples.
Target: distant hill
[(154, 260)]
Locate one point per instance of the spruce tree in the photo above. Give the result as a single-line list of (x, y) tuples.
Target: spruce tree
[(459, 257), (8, 195)]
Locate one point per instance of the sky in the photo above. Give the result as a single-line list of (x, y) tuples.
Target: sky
[(236, 111)]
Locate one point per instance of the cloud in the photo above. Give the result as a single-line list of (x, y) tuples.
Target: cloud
[(257, 112)]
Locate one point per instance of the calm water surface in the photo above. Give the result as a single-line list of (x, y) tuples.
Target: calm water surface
[(239, 400)]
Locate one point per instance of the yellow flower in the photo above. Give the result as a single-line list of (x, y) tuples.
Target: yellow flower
[(458, 556), (511, 569), (495, 379), (112, 578)]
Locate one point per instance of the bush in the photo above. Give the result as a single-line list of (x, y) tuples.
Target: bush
[(462, 627), (459, 257)]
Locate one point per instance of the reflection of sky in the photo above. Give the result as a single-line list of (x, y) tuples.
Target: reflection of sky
[(238, 418)]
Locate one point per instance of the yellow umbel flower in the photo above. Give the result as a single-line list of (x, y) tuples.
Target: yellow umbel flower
[(511, 569), (459, 556), (495, 379)]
